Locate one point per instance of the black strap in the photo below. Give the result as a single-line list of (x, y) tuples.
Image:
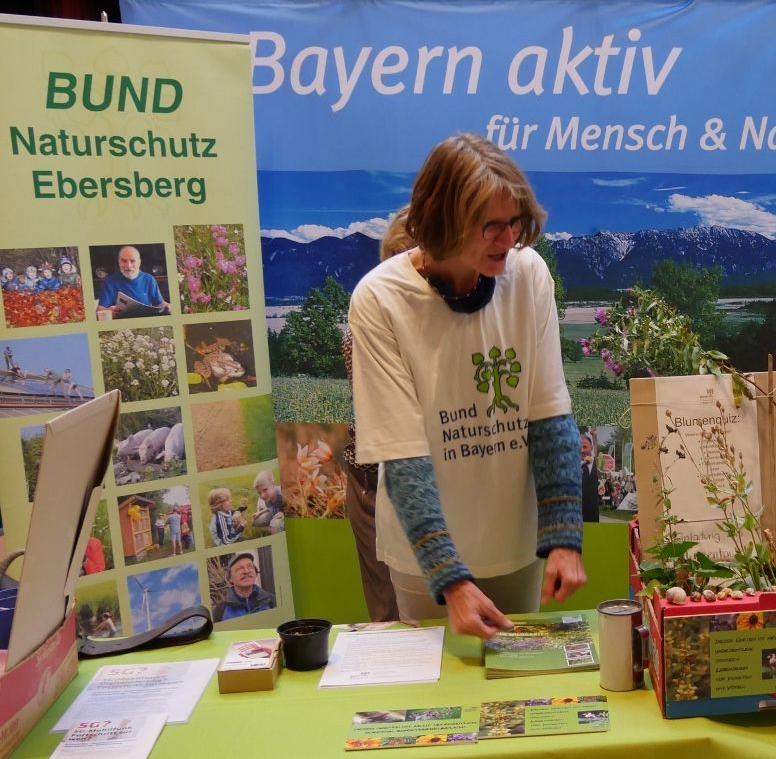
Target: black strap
[(89, 648)]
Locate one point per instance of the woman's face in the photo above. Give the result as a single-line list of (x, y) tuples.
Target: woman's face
[(487, 253)]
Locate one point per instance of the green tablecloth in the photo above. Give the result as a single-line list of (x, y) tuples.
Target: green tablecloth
[(299, 720)]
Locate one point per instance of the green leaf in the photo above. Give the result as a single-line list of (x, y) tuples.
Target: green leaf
[(676, 550), (477, 358), (512, 381)]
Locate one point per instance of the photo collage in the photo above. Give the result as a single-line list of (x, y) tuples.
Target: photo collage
[(193, 511)]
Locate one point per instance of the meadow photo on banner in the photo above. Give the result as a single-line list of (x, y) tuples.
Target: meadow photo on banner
[(155, 525), (44, 374), (241, 508), (233, 433), (312, 477), (157, 595), (41, 286), (135, 270), (149, 445), (98, 613), (219, 356), (140, 362), (211, 268)]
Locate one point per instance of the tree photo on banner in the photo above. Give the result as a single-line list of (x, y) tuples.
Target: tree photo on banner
[(130, 260), (643, 183)]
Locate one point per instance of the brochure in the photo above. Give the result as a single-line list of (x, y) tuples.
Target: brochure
[(136, 690), (542, 644), (543, 716), (401, 728), (385, 656), (123, 737)]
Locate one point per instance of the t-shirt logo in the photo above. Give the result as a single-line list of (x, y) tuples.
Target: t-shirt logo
[(490, 373)]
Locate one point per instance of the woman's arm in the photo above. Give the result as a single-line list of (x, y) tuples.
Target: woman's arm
[(413, 490), (553, 448)]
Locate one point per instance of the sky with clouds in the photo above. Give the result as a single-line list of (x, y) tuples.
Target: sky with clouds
[(169, 591), (307, 206)]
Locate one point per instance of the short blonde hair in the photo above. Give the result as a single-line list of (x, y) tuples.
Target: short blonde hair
[(217, 496), (396, 238), (452, 189), (264, 476)]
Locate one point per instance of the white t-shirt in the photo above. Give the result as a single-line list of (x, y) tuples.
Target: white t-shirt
[(460, 388)]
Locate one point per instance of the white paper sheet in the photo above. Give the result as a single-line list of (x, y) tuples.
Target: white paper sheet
[(385, 656), (122, 737), (139, 689)]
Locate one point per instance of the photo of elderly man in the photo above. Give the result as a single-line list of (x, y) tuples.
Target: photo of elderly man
[(244, 594), (128, 281)]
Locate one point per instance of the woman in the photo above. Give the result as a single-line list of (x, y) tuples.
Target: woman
[(458, 390), (361, 486)]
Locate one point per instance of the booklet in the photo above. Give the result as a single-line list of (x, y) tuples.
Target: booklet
[(136, 690), (385, 656), (541, 644), (543, 716), (124, 737), (127, 306), (400, 728)]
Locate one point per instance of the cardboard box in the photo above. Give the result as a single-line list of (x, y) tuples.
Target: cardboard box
[(717, 657), (249, 665), (709, 658), (29, 689), (689, 404)]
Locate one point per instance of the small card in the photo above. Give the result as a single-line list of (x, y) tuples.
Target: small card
[(402, 728), (125, 737), (251, 654), (544, 716)]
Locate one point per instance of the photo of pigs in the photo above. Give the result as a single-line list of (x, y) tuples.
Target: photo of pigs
[(149, 446)]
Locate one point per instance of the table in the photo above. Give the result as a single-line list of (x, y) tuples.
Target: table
[(299, 721)]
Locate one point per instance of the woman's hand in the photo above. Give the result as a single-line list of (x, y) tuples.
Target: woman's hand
[(471, 612), (563, 574)]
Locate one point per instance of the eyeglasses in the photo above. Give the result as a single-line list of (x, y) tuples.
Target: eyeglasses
[(494, 229)]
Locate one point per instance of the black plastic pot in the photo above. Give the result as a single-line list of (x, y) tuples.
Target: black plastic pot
[(305, 643)]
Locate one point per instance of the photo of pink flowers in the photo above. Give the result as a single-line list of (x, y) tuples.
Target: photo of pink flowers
[(211, 268)]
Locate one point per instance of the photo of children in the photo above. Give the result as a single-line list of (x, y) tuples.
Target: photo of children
[(130, 281), (219, 356), (44, 374), (157, 595), (149, 445), (98, 614), (98, 555), (156, 525), (608, 480), (139, 362), (233, 509), (311, 472), (211, 268), (241, 583), (233, 433), (41, 286)]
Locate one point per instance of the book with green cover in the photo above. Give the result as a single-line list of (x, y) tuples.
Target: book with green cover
[(542, 644)]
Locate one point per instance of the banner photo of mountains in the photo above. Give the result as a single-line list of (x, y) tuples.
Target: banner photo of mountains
[(653, 154), (705, 242)]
